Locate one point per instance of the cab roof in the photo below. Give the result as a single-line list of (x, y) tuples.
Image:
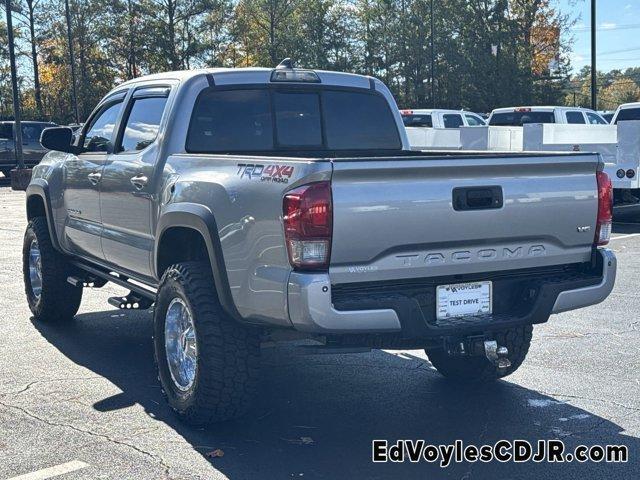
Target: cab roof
[(253, 75), (543, 108)]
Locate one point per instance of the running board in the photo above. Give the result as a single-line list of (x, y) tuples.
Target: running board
[(116, 278)]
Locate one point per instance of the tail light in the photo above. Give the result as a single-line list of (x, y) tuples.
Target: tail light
[(605, 209), (308, 225)]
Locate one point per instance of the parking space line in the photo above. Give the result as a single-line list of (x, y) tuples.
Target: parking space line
[(52, 471), (625, 236)]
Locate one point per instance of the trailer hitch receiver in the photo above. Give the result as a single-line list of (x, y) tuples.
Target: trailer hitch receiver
[(497, 355)]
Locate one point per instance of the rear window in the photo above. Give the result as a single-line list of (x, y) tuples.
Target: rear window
[(359, 121), (417, 120), (298, 119), (517, 119), (628, 114), (245, 120)]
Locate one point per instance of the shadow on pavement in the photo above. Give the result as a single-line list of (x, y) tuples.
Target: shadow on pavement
[(341, 403)]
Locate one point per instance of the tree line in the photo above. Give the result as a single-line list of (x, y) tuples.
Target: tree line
[(486, 53)]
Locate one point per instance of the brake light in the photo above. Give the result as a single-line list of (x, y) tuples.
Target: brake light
[(406, 112), (308, 225), (523, 110), (605, 209)]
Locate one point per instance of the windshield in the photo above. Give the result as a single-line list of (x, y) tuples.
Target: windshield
[(517, 119)]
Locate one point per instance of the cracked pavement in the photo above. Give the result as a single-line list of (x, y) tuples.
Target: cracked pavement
[(88, 391)]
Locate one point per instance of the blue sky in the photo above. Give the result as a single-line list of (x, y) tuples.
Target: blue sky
[(618, 33)]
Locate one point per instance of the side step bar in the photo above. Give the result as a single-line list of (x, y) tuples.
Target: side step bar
[(131, 301), (116, 278)]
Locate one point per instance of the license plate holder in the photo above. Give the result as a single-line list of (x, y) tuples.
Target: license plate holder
[(464, 299)]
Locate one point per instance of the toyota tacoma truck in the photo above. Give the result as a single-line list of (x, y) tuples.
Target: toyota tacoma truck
[(247, 206)]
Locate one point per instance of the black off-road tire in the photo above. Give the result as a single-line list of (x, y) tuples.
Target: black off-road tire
[(6, 172), (478, 368), (59, 300), (228, 353)]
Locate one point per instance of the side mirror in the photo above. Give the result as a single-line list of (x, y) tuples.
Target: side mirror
[(58, 139)]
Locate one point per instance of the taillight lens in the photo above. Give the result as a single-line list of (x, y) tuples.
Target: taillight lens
[(605, 209), (308, 225)]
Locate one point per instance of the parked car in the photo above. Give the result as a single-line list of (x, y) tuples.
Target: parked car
[(254, 205), (626, 111), (440, 118), (32, 151), (518, 116)]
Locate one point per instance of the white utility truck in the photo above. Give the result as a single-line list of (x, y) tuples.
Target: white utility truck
[(626, 112), (519, 116), (437, 129)]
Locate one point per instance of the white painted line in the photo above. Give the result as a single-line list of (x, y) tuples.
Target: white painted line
[(625, 236), (52, 471)]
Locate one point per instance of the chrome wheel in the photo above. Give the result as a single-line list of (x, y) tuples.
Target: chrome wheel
[(180, 344), (35, 269)]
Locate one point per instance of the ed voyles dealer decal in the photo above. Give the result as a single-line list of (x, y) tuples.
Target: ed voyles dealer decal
[(266, 173)]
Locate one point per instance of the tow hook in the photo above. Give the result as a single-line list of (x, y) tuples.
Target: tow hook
[(497, 355)]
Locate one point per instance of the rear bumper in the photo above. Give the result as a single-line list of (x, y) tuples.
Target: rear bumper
[(311, 309), (407, 308), (583, 297)]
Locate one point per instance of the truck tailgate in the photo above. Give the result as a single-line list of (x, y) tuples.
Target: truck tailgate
[(395, 218)]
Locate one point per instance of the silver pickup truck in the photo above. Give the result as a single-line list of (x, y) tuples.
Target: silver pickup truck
[(253, 205)]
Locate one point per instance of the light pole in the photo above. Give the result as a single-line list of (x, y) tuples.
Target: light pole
[(17, 129), (433, 61), (74, 95), (594, 71)]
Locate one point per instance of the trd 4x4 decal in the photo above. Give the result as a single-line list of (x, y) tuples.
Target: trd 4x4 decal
[(266, 173)]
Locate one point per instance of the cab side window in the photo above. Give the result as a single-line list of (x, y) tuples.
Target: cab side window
[(452, 121), (143, 123), (575, 117), (6, 131), (98, 136)]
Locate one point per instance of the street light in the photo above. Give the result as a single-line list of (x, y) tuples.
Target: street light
[(17, 130), (594, 72)]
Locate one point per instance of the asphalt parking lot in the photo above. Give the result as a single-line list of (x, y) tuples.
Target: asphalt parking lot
[(84, 398)]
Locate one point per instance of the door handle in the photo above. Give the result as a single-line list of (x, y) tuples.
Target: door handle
[(139, 181), (94, 177)]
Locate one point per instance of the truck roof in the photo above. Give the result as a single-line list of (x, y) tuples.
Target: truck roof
[(28, 122), (629, 105), (428, 111), (227, 76), (543, 108)]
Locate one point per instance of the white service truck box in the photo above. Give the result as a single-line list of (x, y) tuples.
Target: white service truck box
[(426, 138), (494, 138)]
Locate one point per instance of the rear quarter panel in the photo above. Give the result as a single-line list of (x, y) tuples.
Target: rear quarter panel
[(245, 196)]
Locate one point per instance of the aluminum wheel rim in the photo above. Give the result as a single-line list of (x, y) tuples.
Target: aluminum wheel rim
[(35, 269), (180, 344)]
